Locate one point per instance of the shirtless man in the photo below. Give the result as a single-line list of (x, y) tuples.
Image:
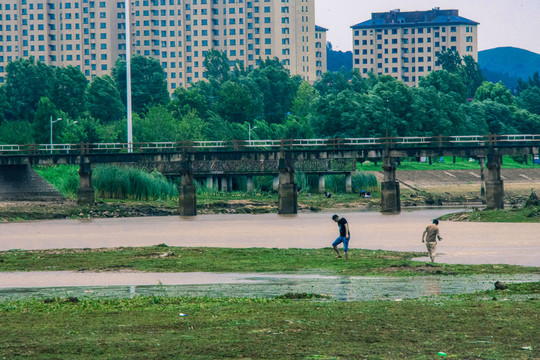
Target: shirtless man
[(431, 234)]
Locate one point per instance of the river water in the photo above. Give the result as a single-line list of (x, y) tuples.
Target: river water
[(463, 242), (342, 288)]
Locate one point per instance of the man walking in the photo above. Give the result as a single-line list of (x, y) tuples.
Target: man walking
[(344, 236), (431, 234)]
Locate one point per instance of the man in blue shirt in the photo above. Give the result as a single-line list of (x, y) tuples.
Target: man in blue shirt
[(344, 236)]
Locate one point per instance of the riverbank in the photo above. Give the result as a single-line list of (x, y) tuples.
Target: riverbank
[(489, 324), (169, 259)]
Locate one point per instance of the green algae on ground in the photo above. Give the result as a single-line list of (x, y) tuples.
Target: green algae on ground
[(201, 259), (147, 327)]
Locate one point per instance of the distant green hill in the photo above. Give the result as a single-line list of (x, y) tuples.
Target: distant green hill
[(338, 59), (507, 64)]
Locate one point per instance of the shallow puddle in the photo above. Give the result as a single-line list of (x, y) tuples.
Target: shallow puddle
[(340, 288)]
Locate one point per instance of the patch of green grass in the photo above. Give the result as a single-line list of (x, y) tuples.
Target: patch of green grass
[(464, 327), (531, 215), (447, 164), (185, 259)]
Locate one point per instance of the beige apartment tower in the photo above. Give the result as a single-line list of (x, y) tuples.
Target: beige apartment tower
[(91, 34), (405, 45)]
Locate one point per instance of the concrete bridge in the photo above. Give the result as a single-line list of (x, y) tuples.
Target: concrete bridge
[(217, 161)]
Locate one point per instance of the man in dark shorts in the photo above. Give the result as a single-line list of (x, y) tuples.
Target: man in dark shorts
[(344, 236)]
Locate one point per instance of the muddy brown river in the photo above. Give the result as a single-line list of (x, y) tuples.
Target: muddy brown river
[(468, 243)]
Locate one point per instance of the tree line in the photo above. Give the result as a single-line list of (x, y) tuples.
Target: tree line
[(454, 101)]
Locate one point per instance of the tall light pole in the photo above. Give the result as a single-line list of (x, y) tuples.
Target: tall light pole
[(57, 120), (52, 122), (128, 76), (249, 132)]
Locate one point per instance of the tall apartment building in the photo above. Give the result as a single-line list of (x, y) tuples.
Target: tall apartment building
[(405, 45), (91, 34), (320, 50)]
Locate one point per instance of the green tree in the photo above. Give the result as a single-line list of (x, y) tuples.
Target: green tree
[(495, 92), (471, 75), (103, 100), (217, 65), (158, 125), (533, 80), (530, 99), (450, 60), (148, 83), (397, 99), (499, 118), (333, 82), (526, 122), (86, 129), (41, 127), (192, 127), (236, 102), (27, 81), (3, 102), (16, 132), (305, 96), (438, 113), (69, 93), (475, 118), (187, 100), (278, 88), (447, 83)]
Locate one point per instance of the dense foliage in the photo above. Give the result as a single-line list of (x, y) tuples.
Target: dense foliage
[(274, 104)]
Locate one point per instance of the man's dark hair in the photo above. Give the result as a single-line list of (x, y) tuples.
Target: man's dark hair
[(436, 222), (334, 217)]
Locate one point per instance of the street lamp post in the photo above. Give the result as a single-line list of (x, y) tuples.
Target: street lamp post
[(52, 122), (249, 132), (57, 120), (127, 5)]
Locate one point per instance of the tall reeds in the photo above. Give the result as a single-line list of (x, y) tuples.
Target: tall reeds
[(115, 182)]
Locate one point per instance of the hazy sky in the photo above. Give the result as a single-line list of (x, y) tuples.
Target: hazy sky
[(502, 22)]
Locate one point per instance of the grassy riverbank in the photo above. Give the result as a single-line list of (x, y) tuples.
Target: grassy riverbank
[(487, 325), (181, 259), (508, 216)]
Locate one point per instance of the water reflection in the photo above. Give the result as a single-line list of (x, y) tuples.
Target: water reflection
[(340, 288)]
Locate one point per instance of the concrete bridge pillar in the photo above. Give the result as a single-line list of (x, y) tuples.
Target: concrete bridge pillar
[(390, 201), (210, 182), (249, 185), (322, 185), (287, 193), (229, 183), (348, 183), (224, 184), (275, 184), (85, 194), (494, 184), (187, 194)]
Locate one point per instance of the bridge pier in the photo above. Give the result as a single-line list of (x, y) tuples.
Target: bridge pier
[(224, 183), (85, 194), (390, 194), (494, 183), (249, 184), (348, 183), (210, 182), (322, 185), (287, 193), (275, 184), (187, 194)]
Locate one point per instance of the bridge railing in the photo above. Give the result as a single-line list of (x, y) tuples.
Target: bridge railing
[(283, 144)]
